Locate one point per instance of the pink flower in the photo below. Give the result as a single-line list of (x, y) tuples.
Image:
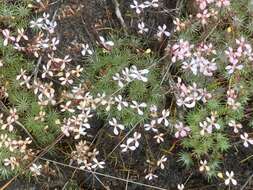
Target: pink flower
[(7, 37), (223, 3), (181, 50), (181, 130), (203, 3), (204, 16)]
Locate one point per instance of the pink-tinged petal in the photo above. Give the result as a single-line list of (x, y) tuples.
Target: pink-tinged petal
[(12, 38), (250, 141), (6, 33), (177, 134), (183, 133), (209, 129)]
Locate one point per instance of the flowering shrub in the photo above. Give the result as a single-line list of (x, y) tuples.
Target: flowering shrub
[(196, 97)]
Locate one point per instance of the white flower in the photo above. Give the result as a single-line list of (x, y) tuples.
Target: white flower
[(137, 106), (86, 165), (80, 131), (106, 43), (86, 49), (12, 161), (126, 74), (246, 139), (230, 178), (65, 130), (135, 139), (139, 74), (162, 31), (132, 140), (159, 138), (192, 65), (46, 70), (120, 102), (153, 3), (7, 36), (38, 23), (97, 163), (161, 161), (138, 7), (21, 35), (115, 124), (66, 107), (142, 28), (36, 169), (235, 125), (151, 176), (124, 147), (66, 79), (180, 186), (231, 68), (203, 166), (151, 126), (205, 128), (212, 121), (118, 78), (54, 42), (18, 47), (165, 114)]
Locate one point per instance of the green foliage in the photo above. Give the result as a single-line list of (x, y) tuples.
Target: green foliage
[(14, 15), (186, 159), (232, 23), (103, 66)]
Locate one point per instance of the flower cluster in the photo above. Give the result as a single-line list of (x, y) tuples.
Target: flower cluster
[(86, 157), (10, 120), (128, 75), (232, 96), (209, 124), (207, 10), (181, 50), (139, 7), (201, 65), (242, 52), (132, 143), (44, 23), (19, 149), (189, 95)]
